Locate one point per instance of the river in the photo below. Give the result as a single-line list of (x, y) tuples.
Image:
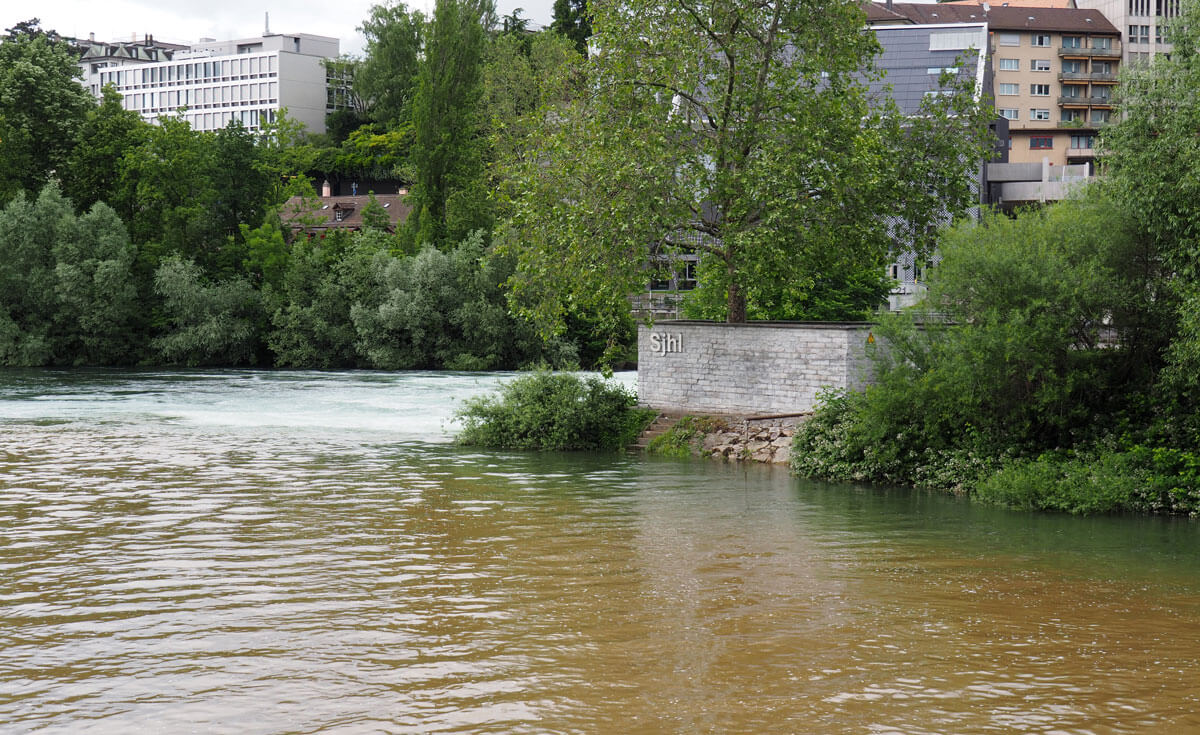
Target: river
[(294, 552)]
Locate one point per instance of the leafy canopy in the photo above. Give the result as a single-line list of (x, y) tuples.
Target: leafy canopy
[(740, 131)]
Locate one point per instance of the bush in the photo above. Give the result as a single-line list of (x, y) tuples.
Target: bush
[(1075, 484), (553, 411), (686, 437)]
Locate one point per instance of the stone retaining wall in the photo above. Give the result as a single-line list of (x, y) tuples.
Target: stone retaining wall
[(760, 368)]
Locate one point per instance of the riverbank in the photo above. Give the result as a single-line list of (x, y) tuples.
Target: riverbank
[(766, 439)]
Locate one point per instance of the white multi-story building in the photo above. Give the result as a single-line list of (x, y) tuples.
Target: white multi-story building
[(213, 82)]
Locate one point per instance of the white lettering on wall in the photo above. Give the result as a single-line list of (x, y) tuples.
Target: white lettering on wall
[(661, 344)]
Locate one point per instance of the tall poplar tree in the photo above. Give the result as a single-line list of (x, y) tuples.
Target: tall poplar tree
[(448, 193)]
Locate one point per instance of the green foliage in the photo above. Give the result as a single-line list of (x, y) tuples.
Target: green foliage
[(686, 437), (386, 79), (266, 253), (441, 309), (99, 313), (1101, 484), (67, 288), (553, 411), (838, 292), (741, 132), (42, 106), (29, 232), (209, 323), (449, 197), (1026, 343), (311, 325), (374, 216), (572, 21), (107, 135)]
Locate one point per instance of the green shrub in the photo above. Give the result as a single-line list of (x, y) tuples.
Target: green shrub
[(557, 411), (1077, 484), (686, 437)]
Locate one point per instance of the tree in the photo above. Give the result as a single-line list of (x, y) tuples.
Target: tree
[(42, 105), (742, 132), (209, 323), (29, 231), (1153, 172), (386, 79), (98, 310), (107, 135), (571, 19), (448, 195)]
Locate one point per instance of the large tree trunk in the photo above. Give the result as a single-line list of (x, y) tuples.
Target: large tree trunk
[(735, 312)]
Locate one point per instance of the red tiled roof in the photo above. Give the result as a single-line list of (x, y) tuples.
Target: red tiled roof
[(327, 210), (999, 18)]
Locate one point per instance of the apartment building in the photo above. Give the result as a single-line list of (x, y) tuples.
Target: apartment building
[(1052, 73), (1145, 24), (213, 82)]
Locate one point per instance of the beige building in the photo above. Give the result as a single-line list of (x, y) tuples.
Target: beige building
[(1052, 72)]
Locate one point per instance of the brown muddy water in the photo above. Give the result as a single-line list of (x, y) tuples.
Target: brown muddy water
[(239, 552)]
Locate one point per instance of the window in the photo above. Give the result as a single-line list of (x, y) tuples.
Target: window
[(1073, 91), (1010, 39), (1082, 141), (1010, 113), (1040, 65), (1007, 89), (1103, 43), (1100, 116), (1102, 67), (1039, 114), (1041, 143), (1101, 93), (1072, 116), (940, 70), (1039, 90), (1041, 39), (1072, 67), (1008, 64)]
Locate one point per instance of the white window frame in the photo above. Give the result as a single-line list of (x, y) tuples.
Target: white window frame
[(1009, 113), (1039, 113), (1039, 64), (1009, 39), (1015, 89), (1008, 64), (1034, 90)]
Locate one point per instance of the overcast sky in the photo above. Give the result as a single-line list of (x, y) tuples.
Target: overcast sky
[(186, 21)]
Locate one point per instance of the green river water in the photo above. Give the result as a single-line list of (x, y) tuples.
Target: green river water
[(294, 552)]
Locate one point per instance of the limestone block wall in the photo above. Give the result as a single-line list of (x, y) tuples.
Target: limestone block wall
[(751, 369)]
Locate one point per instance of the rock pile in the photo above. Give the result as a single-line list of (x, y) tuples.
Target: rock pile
[(760, 440)]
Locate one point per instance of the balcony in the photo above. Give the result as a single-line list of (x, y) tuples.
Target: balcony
[(1078, 101), (1100, 101), (1084, 76), (1081, 153), (1090, 53)]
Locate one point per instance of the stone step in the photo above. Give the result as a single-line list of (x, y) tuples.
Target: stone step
[(661, 424)]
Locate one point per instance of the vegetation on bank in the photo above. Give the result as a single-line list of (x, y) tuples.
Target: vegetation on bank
[(1055, 363), (686, 437), (554, 411), (129, 243)]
